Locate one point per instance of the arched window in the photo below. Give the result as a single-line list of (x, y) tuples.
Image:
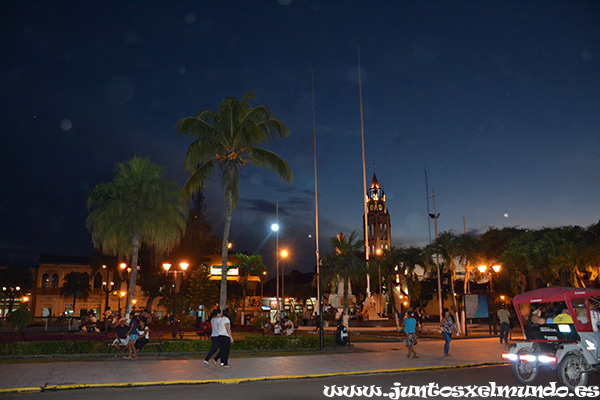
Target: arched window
[(54, 281), (45, 281), (98, 281)]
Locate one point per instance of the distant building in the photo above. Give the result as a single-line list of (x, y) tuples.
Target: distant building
[(378, 219)]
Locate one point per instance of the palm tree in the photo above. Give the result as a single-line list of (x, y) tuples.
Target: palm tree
[(451, 247), (228, 139), (139, 207), (345, 265), (76, 285), (410, 258), (248, 265), (398, 269)]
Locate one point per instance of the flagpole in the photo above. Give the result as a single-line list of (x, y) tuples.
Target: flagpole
[(319, 274), (362, 137)]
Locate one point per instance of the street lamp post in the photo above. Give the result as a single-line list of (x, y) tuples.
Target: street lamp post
[(107, 287), (275, 228), (495, 269), (380, 305), (184, 266), (283, 255), (11, 292), (123, 276), (119, 294)]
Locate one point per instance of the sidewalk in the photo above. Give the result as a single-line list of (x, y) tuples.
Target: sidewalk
[(366, 358)]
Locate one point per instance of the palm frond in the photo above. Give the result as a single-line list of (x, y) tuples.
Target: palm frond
[(265, 158)]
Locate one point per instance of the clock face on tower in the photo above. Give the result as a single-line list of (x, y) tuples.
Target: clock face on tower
[(380, 207), (371, 207)]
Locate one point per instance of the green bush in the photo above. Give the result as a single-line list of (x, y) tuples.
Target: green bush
[(186, 346), (257, 322), (20, 318), (278, 343), (49, 348), (251, 343)]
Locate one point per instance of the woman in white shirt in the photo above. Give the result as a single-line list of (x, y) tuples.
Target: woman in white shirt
[(214, 336), (144, 336), (225, 338)]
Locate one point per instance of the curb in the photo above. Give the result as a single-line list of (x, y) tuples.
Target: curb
[(230, 381)]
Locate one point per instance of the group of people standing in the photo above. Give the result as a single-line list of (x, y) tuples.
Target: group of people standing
[(285, 329), (221, 338)]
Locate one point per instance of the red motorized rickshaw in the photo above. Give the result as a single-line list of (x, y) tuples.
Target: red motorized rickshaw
[(561, 329)]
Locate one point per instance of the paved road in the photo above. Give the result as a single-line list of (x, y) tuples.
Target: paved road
[(310, 388)]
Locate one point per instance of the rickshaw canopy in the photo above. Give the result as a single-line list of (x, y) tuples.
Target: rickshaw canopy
[(554, 294), (576, 300)]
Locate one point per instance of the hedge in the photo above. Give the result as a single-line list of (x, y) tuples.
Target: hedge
[(251, 343)]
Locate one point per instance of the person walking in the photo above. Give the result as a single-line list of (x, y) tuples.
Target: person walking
[(214, 337), (225, 338), (504, 318), (447, 328), (410, 329)]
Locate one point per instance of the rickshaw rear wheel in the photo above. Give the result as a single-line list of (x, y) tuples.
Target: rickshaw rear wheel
[(572, 371), (524, 371)]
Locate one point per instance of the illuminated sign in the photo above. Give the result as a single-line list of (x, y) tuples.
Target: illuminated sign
[(216, 270)]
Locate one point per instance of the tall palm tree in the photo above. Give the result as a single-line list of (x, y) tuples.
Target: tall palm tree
[(248, 265), (228, 140), (139, 207), (410, 258), (450, 246), (76, 285), (345, 265), (398, 267)]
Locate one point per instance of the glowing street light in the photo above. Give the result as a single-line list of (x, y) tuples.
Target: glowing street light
[(275, 228), (167, 267), (283, 254), (494, 268)]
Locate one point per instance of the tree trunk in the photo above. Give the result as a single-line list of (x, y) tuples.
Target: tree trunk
[(452, 280), (149, 303), (345, 307), (243, 304), (133, 277), (394, 296), (464, 320), (224, 250)]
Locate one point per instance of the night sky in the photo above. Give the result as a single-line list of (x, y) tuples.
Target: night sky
[(498, 101)]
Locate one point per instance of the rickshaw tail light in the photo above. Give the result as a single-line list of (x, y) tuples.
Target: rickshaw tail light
[(527, 357), (547, 359), (510, 356)]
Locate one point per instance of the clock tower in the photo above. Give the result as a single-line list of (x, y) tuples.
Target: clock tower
[(378, 219)]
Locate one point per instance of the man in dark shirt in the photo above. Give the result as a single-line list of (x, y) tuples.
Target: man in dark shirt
[(122, 340)]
